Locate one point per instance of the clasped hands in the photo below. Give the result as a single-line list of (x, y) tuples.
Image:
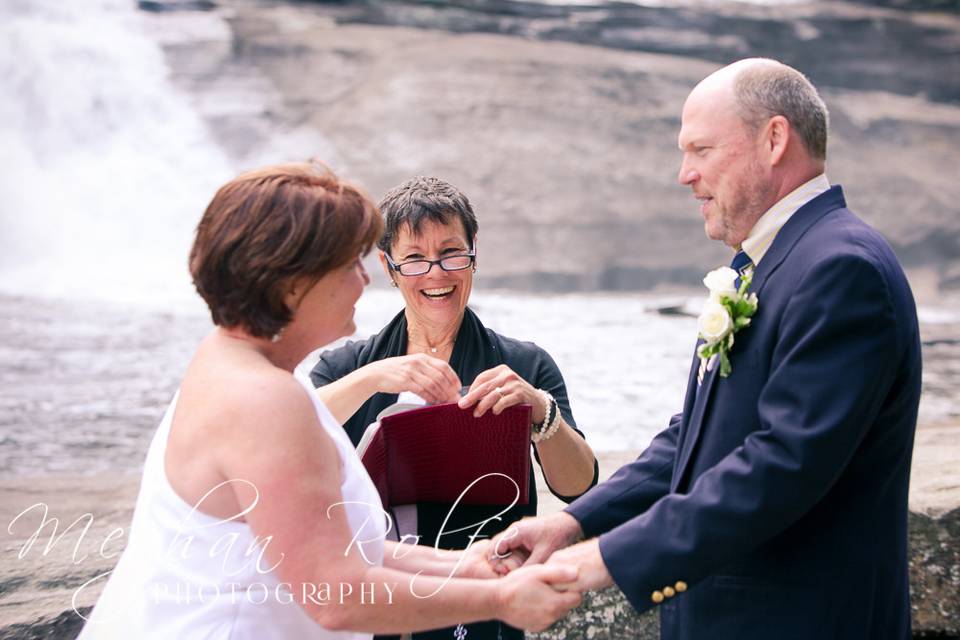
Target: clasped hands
[(542, 569), (543, 573), (555, 540)]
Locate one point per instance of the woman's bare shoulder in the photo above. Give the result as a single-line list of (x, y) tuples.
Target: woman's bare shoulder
[(236, 393)]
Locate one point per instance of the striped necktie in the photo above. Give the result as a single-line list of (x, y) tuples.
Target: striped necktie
[(739, 264)]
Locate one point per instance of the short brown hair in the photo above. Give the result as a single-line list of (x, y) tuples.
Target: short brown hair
[(270, 226)]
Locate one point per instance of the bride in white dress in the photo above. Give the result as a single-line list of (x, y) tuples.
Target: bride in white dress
[(255, 517)]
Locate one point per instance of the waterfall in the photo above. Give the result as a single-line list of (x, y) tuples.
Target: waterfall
[(107, 166)]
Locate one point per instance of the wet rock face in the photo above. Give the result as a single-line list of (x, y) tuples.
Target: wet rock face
[(65, 626), (604, 615), (161, 6), (935, 572), (830, 41), (560, 122)]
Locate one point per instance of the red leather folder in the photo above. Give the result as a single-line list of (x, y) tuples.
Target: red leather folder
[(441, 453)]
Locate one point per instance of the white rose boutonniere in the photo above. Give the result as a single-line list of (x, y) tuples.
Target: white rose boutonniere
[(727, 310), (721, 282)]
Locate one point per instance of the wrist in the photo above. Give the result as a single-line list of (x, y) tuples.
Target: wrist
[(496, 600), (371, 379), (540, 409), (569, 527), (550, 425)]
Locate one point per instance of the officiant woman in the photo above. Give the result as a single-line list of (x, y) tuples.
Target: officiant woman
[(435, 346)]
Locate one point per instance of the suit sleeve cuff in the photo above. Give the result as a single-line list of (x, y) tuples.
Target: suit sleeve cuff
[(583, 513), (620, 560)]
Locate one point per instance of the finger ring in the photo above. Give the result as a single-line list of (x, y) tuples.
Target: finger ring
[(499, 390)]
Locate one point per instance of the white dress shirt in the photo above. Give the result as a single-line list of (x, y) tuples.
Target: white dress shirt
[(770, 223)]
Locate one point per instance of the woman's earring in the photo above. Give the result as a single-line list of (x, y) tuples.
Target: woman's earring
[(393, 282), (279, 334)]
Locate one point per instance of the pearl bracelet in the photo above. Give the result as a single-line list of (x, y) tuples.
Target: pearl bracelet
[(551, 420)]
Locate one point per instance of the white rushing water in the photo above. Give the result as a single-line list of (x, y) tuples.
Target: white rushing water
[(106, 165)]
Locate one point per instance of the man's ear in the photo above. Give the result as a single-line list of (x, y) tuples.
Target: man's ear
[(779, 134)]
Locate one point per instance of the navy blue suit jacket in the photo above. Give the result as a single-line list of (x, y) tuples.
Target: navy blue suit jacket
[(779, 495)]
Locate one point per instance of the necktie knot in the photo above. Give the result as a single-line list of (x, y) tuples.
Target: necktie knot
[(740, 262)]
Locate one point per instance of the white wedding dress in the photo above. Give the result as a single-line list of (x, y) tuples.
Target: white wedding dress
[(186, 575)]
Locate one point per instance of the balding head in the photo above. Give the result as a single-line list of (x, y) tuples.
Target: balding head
[(761, 88), (750, 133)]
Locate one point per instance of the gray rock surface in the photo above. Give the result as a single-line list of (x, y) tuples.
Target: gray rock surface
[(560, 123), (935, 572)]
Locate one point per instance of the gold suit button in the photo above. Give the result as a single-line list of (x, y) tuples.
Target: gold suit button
[(669, 592), (657, 597), (681, 586)]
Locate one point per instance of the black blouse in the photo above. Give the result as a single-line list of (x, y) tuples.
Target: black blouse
[(476, 349)]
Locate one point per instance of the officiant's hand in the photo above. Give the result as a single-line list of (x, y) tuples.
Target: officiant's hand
[(430, 378), (533, 540), (499, 388), (529, 599), (592, 574)]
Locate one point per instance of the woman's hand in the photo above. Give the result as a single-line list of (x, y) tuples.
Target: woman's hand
[(499, 388), (476, 561), (527, 599), (430, 378)]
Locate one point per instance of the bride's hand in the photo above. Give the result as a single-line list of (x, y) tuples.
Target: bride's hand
[(528, 599), (476, 561)]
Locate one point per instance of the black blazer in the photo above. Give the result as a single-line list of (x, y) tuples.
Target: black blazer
[(476, 349)]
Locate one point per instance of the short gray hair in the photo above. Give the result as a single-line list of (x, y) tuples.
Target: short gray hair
[(769, 89), (420, 199)]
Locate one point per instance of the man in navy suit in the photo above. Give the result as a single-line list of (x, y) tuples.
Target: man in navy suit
[(775, 504)]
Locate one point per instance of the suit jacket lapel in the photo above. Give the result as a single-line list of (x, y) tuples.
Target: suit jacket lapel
[(694, 410), (689, 399), (697, 401)]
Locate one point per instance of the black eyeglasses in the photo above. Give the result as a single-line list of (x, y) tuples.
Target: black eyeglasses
[(420, 267)]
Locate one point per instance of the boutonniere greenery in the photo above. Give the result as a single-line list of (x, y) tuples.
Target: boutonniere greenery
[(727, 310)]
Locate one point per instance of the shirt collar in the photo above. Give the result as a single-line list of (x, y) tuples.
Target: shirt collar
[(766, 228)]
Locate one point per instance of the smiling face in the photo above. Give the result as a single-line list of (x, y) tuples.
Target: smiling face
[(435, 299), (722, 163)]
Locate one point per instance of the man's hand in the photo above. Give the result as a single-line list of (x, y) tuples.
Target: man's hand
[(592, 574), (532, 540)]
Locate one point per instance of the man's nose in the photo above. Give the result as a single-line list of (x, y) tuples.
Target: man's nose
[(687, 175)]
